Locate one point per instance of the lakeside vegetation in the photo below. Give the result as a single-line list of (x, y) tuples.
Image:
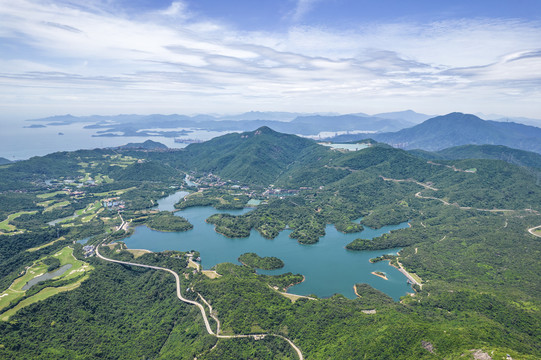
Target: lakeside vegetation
[(17, 297), (265, 263), (165, 221), (480, 269), (219, 199)]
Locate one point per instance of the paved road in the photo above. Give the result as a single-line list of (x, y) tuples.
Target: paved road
[(201, 307), (532, 231)]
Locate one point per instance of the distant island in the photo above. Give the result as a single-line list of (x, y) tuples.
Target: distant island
[(35, 126), (147, 145), (4, 161)]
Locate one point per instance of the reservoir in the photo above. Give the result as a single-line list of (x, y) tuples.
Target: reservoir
[(168, 203), (328, 267)]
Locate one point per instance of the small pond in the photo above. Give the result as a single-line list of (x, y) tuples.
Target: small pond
[(46, 276)]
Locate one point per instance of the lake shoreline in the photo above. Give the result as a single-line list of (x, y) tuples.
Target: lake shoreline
[(383, 276), (323, 273)]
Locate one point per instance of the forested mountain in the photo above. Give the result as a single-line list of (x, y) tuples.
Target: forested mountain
[(497, 152), (347, 122), (147, 145), (145, 171), (407, 115), (472, 248), (258, 156), (4, 161), (459, 129)]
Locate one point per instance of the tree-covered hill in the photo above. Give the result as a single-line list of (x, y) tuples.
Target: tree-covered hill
[(471, 244), (496, 152), (457, 129), (147, 145), (258, 156), (146, 171)]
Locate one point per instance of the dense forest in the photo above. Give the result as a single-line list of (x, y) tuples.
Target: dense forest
[(468, 246)]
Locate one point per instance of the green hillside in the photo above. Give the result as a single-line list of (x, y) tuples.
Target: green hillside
[(472, 248), (4, 161), (496, 152), (146, 171), (456, 129), (258, 156)]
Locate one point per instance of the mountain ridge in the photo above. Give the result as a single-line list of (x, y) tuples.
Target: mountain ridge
[(258, 156), (457, 129)]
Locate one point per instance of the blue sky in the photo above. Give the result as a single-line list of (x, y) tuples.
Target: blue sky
[(216, 56)]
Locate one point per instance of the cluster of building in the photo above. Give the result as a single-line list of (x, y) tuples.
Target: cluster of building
[(211, 180), (280, 192), (113, 204), (88, 250)]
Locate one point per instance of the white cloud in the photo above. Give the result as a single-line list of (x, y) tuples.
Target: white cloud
[(302, 8), (75, 57), (177, 8)]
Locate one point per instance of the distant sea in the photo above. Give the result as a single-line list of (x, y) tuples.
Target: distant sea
[(20, 143)]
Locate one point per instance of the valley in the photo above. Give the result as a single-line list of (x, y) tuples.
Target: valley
[(468, 239)]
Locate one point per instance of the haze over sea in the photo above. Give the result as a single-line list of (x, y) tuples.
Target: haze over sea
[(19, 143)]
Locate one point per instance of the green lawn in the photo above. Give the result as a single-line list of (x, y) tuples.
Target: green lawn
[(57, 205), (49, 195), (42, 295), (90, 209), (45, 245), (65, 256), (45, 203), (114, 192), (5, 225)]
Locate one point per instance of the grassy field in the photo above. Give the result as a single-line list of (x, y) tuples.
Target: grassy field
[(45, 203), (114, 192), (5, 225), (90, 209), (138, 252), (50, 195), (103, 179), (211, 274), (14, 292), (42, 295), (57, 205), (121, 161), (45, 245)]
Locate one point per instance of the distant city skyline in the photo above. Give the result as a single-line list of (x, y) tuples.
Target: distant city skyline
[(106, 57)]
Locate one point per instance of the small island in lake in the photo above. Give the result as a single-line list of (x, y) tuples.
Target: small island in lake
[(166, 221), (264, 263), (380, 274)]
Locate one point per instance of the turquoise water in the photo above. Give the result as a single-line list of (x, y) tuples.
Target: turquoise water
[(84, 241), (168, 203), (328, 267)]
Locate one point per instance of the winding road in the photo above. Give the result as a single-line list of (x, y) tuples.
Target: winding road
[(532, 231), (430, 187), (202, 308)]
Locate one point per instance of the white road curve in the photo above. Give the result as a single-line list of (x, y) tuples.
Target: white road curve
[(532, 231), (201, 307)]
